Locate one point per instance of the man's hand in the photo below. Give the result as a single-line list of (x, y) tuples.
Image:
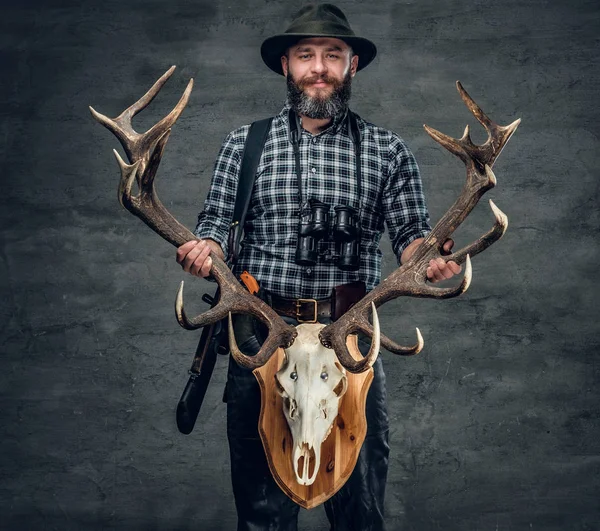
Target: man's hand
[(194, 256), (439, 269)]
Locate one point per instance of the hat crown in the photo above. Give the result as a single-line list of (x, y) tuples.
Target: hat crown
[(320, 19), (316, 20)]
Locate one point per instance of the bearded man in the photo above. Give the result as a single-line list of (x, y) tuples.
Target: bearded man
[(318, 54)]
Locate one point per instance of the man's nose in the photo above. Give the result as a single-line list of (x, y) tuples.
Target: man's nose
[(318, 65)]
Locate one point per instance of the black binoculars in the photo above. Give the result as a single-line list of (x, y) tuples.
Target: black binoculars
[(314, 226)]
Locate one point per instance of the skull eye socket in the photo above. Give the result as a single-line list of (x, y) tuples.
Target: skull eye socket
[(294, 375), (324, 376)]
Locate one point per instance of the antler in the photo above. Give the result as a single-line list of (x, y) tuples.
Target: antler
[(145, 152), (410, 279)]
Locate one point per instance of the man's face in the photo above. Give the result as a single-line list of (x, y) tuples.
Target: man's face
[(319, 74)]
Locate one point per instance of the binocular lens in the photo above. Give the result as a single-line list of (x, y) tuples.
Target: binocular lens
[(348, 255), (306, 251), (314, 226), (345, 228)]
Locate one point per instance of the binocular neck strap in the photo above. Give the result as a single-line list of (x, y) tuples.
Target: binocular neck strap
[(294, 122), (353, 131)]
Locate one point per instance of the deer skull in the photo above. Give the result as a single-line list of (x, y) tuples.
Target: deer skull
[(311, 382)]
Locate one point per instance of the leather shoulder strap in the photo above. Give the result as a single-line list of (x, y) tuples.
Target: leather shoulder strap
[(353, 129), (253, 148)]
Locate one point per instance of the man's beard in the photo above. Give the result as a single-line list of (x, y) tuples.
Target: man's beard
[(318, 107)]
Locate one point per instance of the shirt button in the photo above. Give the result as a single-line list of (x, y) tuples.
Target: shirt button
[(314, 170), (315, 140), (309, 271)]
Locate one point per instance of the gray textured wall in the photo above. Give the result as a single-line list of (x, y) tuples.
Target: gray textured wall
[(495, 424)]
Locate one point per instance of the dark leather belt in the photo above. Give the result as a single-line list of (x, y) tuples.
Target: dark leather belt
[(303, 310), (311, 310)]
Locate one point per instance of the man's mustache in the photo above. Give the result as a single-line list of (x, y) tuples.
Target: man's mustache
[(319, 79)]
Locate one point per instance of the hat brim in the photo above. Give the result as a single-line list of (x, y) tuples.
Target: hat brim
[(274, 48)]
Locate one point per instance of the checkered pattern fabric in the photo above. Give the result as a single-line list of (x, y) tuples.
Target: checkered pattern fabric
[(391, 192)]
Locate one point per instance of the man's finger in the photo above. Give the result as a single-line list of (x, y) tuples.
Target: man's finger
[(448, 244), (441, 270), (205, 271), (190, 258), (435, 270), (454, 267), (447, 272), (184, 249), (439, 274), (433, 274), (200, 260)]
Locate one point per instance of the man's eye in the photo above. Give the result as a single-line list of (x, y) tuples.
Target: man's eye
[(333, 56)]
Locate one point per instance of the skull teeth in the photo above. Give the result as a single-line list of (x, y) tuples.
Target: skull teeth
[(303, 458)]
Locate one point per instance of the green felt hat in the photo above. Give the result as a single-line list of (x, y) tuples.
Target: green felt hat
[(316, 20)]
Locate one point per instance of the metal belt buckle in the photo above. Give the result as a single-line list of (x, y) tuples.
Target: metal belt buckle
[(299, 302)]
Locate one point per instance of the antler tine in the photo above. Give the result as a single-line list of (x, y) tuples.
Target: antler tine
[(147, 98), (157, 130), (498, 135), (411, 278), (269, 347), (121, 126), (138, 145), (337, 342), (145, 152), (487, 153), (482, 118), (504, 132), (481, 244), (451, 144)]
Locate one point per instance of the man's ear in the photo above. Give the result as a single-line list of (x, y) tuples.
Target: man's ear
[(354, 64), (284, 65)]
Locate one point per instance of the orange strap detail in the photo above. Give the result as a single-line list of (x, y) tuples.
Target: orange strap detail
[(250, 282)]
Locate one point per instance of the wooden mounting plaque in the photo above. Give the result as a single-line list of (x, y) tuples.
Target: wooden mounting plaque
[(339, 452)]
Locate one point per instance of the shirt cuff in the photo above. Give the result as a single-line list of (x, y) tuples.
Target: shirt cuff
[(413, 235), (215, 234)]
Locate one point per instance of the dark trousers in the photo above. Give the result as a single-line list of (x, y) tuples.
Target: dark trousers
[(261, 505)]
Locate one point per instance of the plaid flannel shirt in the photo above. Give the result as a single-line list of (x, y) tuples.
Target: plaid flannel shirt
[(391, 192)]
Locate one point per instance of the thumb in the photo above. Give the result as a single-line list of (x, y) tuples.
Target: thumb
[(448, 244)]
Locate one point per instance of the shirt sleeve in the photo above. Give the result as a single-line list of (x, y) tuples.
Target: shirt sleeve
[(214, 220), (404, 204)]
